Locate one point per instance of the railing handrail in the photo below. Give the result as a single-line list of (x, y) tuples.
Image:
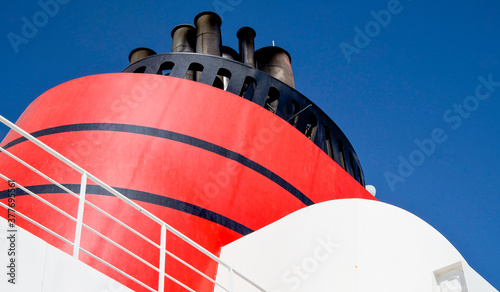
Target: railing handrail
[(86, 175), (84, 225), (76, 196)]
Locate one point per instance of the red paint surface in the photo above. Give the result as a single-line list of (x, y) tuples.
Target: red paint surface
[(167, 168)]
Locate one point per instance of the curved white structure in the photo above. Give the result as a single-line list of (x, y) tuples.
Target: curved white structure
[(42, 267), (352, 245)]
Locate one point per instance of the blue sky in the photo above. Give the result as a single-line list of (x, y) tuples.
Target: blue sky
[(424, 71)]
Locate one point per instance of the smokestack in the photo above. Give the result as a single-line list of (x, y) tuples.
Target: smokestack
[(208, 36), (183, 38), (276, 62), (139, 54), (246, 36)]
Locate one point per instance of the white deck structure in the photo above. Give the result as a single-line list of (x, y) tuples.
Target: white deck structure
[(352, 245)]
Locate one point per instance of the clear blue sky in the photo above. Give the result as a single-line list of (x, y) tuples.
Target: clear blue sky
[(412, 78)]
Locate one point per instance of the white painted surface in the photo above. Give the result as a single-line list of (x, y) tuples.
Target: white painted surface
[(347, 245), (44, 268)]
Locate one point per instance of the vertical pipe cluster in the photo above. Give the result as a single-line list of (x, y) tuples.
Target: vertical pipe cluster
[(205, 38)]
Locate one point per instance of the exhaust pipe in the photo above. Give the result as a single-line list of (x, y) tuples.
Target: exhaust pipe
[(183, 38), (208, 36), (246, 36), (139, 54), (230, 54), (276, 62)]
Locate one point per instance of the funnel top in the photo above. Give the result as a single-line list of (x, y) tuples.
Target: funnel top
[(244, 31), (215, 15), (271, 50), (181, 26), (150, 52)]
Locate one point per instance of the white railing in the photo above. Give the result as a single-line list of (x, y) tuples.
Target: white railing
[(85, 176)]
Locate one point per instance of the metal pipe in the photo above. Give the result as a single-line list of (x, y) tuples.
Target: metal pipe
[(276, 62), (230, 54), (183, 38), (246, 36), (139, 54), (208, 35)]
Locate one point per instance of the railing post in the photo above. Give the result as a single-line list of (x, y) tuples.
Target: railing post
[(231, 279), (79, 218), (163, 244)]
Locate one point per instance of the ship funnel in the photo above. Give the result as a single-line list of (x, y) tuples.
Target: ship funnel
[(208, 36), (276, 62), (183, 38), (246, 36), (139, 54)]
